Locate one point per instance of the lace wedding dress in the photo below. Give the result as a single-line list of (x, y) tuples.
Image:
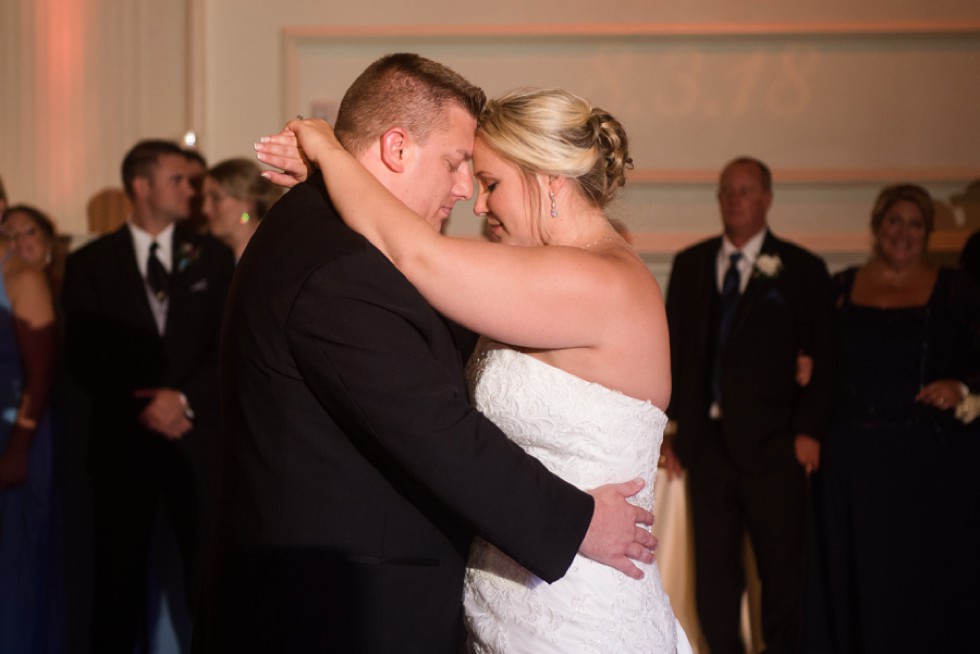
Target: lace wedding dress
[(589, 435)]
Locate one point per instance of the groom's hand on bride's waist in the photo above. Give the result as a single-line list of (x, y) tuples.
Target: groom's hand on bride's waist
[(616, 536)]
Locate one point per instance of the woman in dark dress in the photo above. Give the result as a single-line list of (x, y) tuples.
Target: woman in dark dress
[(27, 351), (901, 486)]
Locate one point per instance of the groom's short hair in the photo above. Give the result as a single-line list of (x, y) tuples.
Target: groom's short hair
[(404, 90)]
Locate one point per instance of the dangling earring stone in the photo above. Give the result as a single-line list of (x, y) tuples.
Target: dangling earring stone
[(554, 207), (245, 218)]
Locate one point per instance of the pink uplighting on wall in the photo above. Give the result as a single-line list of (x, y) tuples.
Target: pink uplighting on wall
[(59, 106)]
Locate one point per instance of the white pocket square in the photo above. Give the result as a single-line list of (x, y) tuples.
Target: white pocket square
[(199, 286)]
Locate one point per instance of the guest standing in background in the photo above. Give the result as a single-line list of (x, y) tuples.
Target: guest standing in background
[(236, 198), (33, 237), (27, 356), (741, 308), (143, 307), (901, 480)]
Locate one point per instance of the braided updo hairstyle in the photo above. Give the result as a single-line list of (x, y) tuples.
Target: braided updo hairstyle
[(554, 132)]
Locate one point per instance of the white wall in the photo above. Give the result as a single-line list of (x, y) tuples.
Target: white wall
[(80, 82)]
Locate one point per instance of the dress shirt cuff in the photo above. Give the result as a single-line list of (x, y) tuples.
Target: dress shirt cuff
[(188, 411)]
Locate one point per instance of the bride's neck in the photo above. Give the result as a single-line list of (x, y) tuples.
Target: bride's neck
[(583, 230)]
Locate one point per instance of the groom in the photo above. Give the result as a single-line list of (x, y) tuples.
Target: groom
[(355, 473)]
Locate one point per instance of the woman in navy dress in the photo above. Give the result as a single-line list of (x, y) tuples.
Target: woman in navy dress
[(27, 354), (901, 473)]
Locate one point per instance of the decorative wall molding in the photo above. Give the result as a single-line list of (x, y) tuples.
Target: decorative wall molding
[(294, 35), (652, 30), (816, 176)]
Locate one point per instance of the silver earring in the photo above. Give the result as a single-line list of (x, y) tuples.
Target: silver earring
[(554, 207)]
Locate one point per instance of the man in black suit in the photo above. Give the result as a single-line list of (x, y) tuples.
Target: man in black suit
[(750, 332), (143, 309), (355, 473)]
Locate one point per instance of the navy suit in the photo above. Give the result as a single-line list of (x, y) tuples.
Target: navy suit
[(743, 473)]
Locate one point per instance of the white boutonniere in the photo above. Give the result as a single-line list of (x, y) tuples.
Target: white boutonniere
[(187, 254), (768, 265), (968, 409)]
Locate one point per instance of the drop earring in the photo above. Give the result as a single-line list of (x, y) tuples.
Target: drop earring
[(554, 206)]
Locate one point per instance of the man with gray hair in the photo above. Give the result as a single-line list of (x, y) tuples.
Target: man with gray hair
[(750, 332)]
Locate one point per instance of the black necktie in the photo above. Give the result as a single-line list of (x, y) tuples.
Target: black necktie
[(729, 302), (156, 274)]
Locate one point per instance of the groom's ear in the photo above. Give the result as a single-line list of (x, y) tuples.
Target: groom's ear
[(393, 145)]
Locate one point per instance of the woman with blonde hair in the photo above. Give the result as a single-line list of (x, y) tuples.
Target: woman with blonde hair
[(236, 198)]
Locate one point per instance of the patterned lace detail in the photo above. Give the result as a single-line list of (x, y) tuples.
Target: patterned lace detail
[(589, 435)]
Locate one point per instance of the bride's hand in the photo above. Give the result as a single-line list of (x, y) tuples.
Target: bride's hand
[(316, 139), (302, 144), (282, 151)]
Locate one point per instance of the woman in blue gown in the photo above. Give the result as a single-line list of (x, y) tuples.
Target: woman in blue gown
[(27, 354), (901, 474)]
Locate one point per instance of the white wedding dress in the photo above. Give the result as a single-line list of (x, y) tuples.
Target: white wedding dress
[(590, 436)]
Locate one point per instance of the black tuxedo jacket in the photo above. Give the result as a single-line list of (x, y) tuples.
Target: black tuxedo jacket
[(355, 473), (114, 347), (763, 408)]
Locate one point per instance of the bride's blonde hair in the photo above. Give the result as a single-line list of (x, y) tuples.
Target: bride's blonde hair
[(554, 132)]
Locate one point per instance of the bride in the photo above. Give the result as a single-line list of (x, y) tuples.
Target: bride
[(573, 362)]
